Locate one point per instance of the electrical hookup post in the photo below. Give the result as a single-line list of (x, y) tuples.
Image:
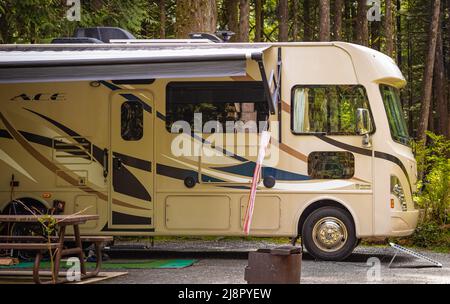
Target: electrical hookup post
[(263, 143)]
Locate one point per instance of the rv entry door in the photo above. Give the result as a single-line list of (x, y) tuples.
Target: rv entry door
[(131, 154)]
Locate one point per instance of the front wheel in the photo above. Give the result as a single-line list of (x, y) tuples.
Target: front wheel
[(329, 234)]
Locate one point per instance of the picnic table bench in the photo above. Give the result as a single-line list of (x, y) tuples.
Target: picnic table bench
[(41, 244)]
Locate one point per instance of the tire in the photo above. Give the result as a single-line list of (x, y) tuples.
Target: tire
[(25, 229), (336, 227)]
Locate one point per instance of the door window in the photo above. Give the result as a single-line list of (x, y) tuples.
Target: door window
[(132, 117)]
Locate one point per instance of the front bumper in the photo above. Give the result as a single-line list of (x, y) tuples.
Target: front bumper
[(403, 223)]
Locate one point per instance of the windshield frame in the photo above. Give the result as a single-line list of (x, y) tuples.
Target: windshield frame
[(395, 115)]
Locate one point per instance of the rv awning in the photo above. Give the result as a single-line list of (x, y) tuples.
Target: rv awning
[(49, 63)]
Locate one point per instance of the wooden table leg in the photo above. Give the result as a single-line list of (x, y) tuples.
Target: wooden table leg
[(58, 255), (37, 264), (98, 265), (98, 252), (78, 243)]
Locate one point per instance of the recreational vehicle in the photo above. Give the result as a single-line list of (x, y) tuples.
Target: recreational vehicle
[(160, 139)]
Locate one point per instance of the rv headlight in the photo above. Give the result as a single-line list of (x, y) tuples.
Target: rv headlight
[(397, 191)]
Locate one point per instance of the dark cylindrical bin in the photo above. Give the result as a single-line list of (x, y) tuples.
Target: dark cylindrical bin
[(280, 265)]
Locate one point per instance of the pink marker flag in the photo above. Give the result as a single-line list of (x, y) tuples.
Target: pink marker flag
[(263, 143)]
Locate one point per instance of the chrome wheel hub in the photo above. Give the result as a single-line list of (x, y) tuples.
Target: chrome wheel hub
[(329, 234)]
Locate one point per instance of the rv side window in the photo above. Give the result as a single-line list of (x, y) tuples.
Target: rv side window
[(327, 109), (132, 118), (216, 106), (331, 165)]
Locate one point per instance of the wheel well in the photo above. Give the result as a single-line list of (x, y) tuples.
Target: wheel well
[(317, 205), (29, 202)]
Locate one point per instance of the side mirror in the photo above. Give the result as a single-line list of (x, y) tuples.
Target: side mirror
[(363, 121)]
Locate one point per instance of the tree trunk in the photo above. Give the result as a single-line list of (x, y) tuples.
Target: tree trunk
[(283, 16), (162, 19), (388, 32), (348, 25), (362, 28), (244, 13), (375, 35), (258, 21), (440, 87), (5, 36), (399, 36), (353, 21), (447, 44), (428, 73), (232, 16), (324, 16), (195, 16), (337, 24), (296, 21), (307, 34)]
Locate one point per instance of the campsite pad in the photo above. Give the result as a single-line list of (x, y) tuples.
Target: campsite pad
[(141, 264)]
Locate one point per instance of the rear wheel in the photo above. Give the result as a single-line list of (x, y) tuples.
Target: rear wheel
[(329, 234), (17, 207)]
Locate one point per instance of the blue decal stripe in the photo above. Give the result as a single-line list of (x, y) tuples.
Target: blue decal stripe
[(247, 169)]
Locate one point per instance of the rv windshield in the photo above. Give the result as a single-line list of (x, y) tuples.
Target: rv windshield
[(394, 112)]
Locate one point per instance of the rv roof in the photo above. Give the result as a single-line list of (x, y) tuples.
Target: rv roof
[(370, 65), (142, 41)]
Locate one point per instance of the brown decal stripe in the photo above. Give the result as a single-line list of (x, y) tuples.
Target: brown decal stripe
[(97, 152), (285, 107), (377, 154), (289, 150), (345, 146), (54, 168), (123, 204), (43, 160)]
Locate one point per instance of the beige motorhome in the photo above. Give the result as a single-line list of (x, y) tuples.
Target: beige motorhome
[(99, 127)]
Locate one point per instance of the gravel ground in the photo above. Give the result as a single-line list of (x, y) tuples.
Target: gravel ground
[(224, 261)]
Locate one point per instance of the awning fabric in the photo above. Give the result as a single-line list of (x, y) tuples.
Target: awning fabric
[(51, 63)]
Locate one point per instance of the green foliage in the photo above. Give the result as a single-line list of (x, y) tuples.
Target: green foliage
[(28, 20), (428, 235), (38, 21), (433, 166), (124, 14)]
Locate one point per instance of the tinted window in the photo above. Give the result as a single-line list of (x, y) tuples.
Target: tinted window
[(230, 101), (132, 118), (329, 109), (331, 165)]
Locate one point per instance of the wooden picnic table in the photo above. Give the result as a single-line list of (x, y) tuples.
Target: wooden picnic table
[(42, 244)]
